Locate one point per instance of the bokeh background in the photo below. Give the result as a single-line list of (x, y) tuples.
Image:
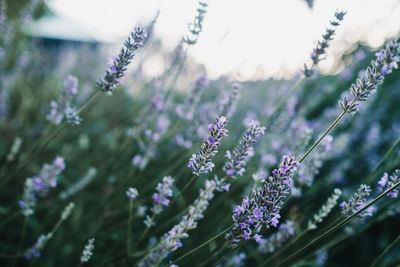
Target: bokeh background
[(262, 45)]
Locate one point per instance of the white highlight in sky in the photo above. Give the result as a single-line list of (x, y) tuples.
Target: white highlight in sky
[(251, 39)]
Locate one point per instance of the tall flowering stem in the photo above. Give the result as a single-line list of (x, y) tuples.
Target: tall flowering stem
[(201, 163), (325, 209), (264, 206), (388, 181), (196, 26), (116, 72), (171, 241), (322, 44), (237, 159), (386, 60)]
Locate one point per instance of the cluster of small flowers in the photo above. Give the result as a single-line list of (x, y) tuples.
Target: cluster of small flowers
[(132, 193), (325, 209), (186, 111), (228, 103), (387, 182), (15, 148), (196, 27), (35, 250), (357, 201), (274, 241), (40, 185), (80, 185), (164, 191), (117, 70), (172, 240), (264, 206), (323, 44), (386, 60), (201, 163), (88, 250), (237, 260), (61, 108), (237, 159)]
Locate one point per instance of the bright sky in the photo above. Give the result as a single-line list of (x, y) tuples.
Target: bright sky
[(246, 39)]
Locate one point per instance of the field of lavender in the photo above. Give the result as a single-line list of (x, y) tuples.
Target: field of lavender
[(101, 166)]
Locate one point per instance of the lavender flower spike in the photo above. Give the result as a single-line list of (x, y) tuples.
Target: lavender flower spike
[(323, 44), (387, 182), (201, 163), (88, 251), (117, 70), (237, 159), (172, 240), (356, 202), (61, 108), (263, 208), (196, 27), (40, 185), (386, 60), (164, 191), (325, 209), (36, 249)]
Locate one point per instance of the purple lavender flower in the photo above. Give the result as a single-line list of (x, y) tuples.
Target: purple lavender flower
[(132, 193), (36, 249), (387, 182), (275, 240), (40, 185), (320, 257), (386, 60), (267, 199), (160, 197), (237, 159), (61, 108), (117, 70), (357, 201), (323, 44), (201, 163)]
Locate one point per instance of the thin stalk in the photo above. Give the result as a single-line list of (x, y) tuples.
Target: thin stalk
[(340, 224), (387, 154), (22, 237), (129, 230), (202, 245), (184, 188), (274, 256), (380, 257), (327, 131)]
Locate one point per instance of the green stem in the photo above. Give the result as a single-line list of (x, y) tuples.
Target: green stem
[(129, 230), (327, 131), (380, 257), (202, 245)]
